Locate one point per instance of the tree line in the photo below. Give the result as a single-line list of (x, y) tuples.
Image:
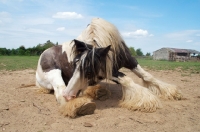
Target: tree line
[(138, 52), (22, 51), (37, 50)]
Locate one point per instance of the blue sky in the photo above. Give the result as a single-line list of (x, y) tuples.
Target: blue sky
[(145, 24)]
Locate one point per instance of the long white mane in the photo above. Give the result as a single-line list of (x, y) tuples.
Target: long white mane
[(101, 33)]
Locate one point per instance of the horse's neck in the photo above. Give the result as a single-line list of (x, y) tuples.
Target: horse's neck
[(67, 47)]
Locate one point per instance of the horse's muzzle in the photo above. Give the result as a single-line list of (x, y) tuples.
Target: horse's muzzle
[(72, 97), (69, 97)]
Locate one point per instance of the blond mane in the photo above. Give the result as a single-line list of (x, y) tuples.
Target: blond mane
[(101, 33)]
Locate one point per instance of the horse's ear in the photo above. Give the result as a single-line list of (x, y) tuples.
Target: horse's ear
[(81, 46), (103, 51)]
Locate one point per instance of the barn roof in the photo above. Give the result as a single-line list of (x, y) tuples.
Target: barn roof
[(191, 51), (177, 50)]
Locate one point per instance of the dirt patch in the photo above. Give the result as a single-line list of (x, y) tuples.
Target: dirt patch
[(23, 109)]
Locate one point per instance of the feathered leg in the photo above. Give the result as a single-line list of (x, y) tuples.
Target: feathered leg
[(136, 97), (77, 107), (162, 89), (97, 92)]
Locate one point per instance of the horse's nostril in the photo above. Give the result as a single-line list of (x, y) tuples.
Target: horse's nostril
[(69, 97)]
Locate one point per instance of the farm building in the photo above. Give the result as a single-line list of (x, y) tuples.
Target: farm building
[(174, 54)]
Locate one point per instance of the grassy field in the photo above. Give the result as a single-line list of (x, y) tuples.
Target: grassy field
[(193, 67), (30, 62), (18, 62)]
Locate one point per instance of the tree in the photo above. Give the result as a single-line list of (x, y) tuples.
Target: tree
[(148, 54), (8, 52), (13, 52), (132, 50), (27, 52), (21, 50), (139, 52), (3, 51), (22, 47), (42, 47)]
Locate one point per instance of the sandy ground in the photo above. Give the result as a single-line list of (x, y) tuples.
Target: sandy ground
[(25, 110)]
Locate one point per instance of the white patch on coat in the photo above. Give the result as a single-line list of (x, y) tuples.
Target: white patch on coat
[(51, 80), (75, 84), (67, 47)]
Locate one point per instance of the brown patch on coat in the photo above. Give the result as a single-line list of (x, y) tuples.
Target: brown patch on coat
[(54, 58)]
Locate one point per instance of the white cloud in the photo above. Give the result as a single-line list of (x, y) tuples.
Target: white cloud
[(67, 15), (189, 41), (137, 34), (37, 21), (60, 29)]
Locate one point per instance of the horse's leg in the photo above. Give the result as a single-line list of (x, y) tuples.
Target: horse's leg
[(97, 92), (136, 97), (55, 79), (158, 87), (74, 107), (77, 107), (41, 89), (162, 89)]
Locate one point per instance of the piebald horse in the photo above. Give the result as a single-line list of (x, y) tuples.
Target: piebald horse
[(96, 54)]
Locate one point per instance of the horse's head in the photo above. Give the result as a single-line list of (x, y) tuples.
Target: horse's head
[(89, 68)]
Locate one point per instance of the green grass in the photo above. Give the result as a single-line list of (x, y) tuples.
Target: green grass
[(30, 62), (18, 62), (193, 67)]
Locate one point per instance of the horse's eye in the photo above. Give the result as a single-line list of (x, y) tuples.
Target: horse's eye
[(76, 60)]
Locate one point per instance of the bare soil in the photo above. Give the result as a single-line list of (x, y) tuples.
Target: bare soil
[(25, 110)]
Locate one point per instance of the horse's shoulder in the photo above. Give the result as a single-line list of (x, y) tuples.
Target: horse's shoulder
[(52, 57)]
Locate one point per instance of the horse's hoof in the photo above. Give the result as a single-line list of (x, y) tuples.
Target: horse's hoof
[(178, 96), (102, 94), (86, 109)]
